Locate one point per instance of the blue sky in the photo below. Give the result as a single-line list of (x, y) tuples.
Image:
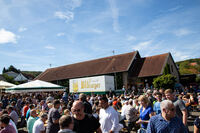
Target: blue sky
[(37, 33)]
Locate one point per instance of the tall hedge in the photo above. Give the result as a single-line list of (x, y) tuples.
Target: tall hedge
[(165, 81)]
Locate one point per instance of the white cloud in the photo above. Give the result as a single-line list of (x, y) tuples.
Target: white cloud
[(69, 6), (142, 45), (97, 31), (180, 55), (175, 8), (50, 47), (67, 16), (61, 34), (7, 37), (21, 29), (72, 4), (115, 15), (182, 32), (131, 38)]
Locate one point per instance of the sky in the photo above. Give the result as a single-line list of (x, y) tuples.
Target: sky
[(38, 34)]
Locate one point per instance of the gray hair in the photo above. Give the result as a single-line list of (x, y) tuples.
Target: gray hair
[(165, 104), (44, 115)]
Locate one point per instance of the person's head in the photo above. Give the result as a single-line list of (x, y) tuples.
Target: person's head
[(103, 102), (33, 113), (56, 104), (78, 110), (169, 94), (167, 109), (130, 102), (161, 91), (9, 108), (50, 105), (158, 96), (66, 112), (31, 106), (4, 120), (44, 117), (149, 92), (136, 102), (66, 122), (82, 97), (144, 101)]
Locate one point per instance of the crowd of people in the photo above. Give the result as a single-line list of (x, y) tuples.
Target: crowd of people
[(154, 111)]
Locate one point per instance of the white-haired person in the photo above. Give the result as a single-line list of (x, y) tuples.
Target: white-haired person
[(167, 121)]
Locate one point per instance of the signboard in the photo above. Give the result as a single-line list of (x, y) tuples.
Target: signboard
[(92, 84)]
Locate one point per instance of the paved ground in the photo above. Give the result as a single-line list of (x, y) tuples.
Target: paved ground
[(194, 114)]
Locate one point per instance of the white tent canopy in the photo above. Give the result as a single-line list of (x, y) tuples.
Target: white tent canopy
[(35, 86), (4, 84)]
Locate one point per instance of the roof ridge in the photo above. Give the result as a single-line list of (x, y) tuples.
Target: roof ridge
[(92, 60), (157, 55)]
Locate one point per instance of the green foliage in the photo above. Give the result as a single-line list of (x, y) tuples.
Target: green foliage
[(185, 67), (64, 83), (165, 81), (33, 73), (166, 70), (198, 80), (11, 68), (9, 79), (4, 70)]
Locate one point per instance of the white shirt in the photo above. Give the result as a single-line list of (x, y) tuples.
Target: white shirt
[(124, 107), (109, 120), (38, 126)]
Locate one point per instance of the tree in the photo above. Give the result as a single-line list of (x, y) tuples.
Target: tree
[(12, 68), (9, 79), (165, 81), (198, 79), (4, 70)]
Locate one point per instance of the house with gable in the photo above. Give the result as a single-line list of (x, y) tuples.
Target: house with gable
[(130, 68)]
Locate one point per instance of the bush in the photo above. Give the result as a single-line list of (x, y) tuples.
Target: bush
[(198, 80), (165, 81)]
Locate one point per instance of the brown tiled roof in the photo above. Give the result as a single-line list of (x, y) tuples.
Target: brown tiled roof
[(151, 66), (117, 63)]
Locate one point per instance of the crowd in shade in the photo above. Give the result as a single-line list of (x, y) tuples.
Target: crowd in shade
[(153, 111)]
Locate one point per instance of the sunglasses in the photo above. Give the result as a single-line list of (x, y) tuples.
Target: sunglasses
[(76, 110)]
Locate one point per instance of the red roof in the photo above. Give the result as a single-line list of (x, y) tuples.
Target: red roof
[(153, 65), (112, 64)]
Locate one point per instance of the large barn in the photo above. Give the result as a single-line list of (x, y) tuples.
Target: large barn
[(129, 69)]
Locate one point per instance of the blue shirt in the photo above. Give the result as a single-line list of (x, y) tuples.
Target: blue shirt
[(158, 124), (145, 115), (156, 108), (28, 114)]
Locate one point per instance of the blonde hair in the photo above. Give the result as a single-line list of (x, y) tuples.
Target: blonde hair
[(143, 98), (169, 91), (66, 112)]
